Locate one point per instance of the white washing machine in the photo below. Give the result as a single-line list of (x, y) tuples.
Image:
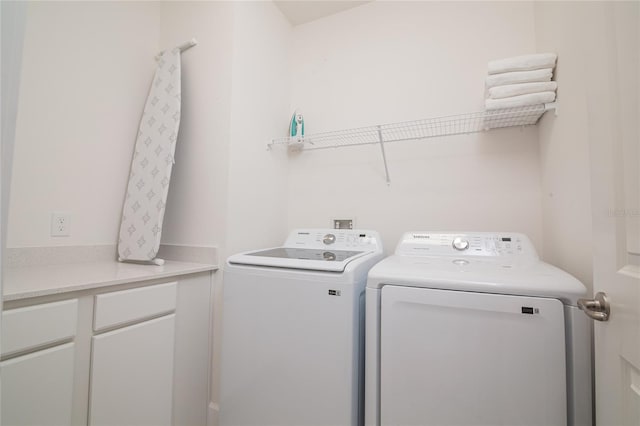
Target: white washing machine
[(293, 330), (473, 329)]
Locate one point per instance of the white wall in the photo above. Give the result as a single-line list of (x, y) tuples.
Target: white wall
[(256, 204), (383, 62), (227, 189), (86, 72), (13, 16), (256, 212), (197, 203), (12, 24), (564, 141), (395, 61)]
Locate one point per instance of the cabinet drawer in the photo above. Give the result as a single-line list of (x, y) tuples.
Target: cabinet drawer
[(39, 325), (122, 307)]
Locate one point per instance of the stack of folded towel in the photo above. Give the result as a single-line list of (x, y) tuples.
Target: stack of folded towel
[(521, 81)]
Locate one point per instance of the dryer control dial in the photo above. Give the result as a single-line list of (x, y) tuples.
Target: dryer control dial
[(329, 239), (460, 243)]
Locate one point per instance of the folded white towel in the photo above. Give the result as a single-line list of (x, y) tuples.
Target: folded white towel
[(519, 77), (522, 100), (523, 63), (506, 91)]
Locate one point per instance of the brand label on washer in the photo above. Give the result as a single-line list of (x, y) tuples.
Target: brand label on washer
[(529, 310), (334, 292)]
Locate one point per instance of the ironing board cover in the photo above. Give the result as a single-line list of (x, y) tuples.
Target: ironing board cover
[(153, 158)]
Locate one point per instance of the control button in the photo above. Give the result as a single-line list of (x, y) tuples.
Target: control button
[(329, 239), (328, 256), (460, 244)]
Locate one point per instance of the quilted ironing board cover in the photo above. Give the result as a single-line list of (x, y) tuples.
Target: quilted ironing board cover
[(153, 158)]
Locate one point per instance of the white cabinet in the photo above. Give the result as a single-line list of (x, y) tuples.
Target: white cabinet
[(132, 366), (132, 355), (33, 327), (128, 306), (37, 388), (38, 364), (132, 375)]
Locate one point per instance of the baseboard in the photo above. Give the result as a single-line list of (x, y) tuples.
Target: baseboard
[(212, 414)]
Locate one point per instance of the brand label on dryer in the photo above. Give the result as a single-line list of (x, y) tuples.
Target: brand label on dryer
[(529, 310), (334, 292)]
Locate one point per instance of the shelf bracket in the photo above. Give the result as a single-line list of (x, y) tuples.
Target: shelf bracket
[(384, 155)]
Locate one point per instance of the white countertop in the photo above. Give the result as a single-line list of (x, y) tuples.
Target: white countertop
[(34, 281)]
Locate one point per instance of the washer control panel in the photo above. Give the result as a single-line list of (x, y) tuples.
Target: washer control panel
[(466, 244), (335, 239)]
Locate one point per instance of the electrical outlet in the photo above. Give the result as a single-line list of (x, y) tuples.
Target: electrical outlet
[(343, 223), (60, 224)]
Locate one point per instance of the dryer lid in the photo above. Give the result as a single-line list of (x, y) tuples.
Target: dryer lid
[(485, 265)]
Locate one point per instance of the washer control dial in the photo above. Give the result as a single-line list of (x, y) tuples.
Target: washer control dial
[(460, 243), (329, 239)]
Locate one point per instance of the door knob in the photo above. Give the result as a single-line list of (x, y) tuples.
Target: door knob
[(597, 308)]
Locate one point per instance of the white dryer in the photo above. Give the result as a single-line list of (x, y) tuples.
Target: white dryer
[(473, 329), (293, 330)]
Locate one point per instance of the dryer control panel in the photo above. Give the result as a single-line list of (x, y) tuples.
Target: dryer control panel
[(459, 244), (335, 239)]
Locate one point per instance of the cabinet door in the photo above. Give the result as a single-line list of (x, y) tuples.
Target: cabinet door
[(37, 389), (132, 375)]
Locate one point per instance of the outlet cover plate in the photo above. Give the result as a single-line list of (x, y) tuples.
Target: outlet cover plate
[(60, 224), (343, 223)]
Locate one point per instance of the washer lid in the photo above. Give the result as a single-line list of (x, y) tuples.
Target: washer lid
[(315, 249), (299, 258)]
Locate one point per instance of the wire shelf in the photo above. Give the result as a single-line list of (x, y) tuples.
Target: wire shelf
[(419, 129)]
